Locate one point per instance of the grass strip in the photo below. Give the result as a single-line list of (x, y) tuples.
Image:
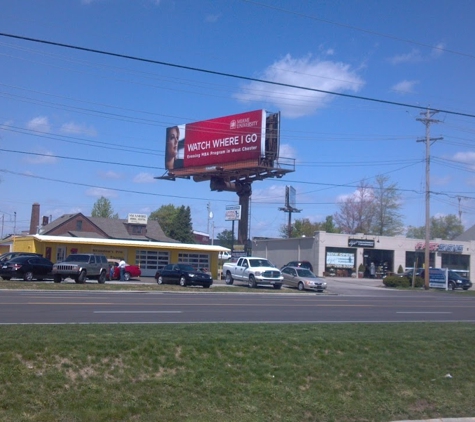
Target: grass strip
[(236, 372)]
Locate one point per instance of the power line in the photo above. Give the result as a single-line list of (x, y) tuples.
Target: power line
[(229, 75), (354, 28)]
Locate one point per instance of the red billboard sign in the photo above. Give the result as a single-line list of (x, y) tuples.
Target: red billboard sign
[(211, 143)]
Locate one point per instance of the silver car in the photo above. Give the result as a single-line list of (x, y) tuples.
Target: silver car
[(303, 279)]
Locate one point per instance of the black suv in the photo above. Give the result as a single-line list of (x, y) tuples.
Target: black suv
[(301, 264), (455, 280)]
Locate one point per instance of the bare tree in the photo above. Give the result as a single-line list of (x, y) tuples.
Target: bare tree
[(387, 202), (357, 211)]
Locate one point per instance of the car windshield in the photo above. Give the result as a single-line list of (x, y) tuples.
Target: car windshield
[(259, 263), (304, 272), (455, 276), (77, 258)]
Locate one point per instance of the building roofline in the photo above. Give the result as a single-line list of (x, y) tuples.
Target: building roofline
[(119, 242)]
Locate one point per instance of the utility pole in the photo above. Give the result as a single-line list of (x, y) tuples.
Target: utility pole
[(427, 120)]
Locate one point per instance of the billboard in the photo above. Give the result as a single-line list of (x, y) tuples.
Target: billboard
[(233, 212), (237, 140)]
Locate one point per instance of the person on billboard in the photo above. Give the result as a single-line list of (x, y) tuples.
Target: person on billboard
[(173, 159)]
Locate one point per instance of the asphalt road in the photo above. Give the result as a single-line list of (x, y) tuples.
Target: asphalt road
[(344, 301)]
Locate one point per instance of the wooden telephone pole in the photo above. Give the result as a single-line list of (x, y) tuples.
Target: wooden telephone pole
[(427, 121)]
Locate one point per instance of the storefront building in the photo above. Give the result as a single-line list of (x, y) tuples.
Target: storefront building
[(343, 255), (149, 255)]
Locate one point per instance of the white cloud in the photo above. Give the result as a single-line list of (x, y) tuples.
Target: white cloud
[(438, 50), (412, 57), (40, 124), (46, 157), (212, 18), (305, 72), (111, 175), (405, 87), (98, 192), (75, 129), (144, 178), (440, 181), (287, 151), (465, 158), (275, 193)]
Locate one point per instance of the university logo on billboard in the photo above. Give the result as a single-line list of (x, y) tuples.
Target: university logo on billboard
[(440, 247), (361, 243)]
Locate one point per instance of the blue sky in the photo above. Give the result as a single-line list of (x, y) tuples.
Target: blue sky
[(77, 108)]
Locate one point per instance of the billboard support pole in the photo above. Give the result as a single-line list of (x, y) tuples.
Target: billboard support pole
[(244, 192)]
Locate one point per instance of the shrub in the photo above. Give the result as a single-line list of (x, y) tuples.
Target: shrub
[(400, 269), (396, 281)]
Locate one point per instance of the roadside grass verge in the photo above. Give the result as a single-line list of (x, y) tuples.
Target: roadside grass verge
[(93, 285), (236, 372)]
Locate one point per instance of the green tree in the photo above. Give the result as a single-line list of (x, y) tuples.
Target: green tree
[(446, 227), (175, 222), (225, 238), (387, 203), (329, 225), (103, 208), (304, 227)]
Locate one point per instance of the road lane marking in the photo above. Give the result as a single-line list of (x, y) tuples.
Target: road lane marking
[(137, 312), (423, 312)]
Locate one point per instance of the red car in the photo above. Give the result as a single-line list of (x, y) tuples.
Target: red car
[(131, 271)]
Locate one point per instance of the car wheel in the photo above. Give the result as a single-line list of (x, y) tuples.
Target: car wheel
[(182, 281), (252, 282), (102, 277), (465, 288), (57, 278), (6, 278), (301, 286), (277, 286), (229, 280), (451, 286), (28, 276), (206, 286), (82, 277), (160, 280), (127, 276)]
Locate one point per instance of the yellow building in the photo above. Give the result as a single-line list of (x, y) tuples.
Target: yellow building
[(149, 255)]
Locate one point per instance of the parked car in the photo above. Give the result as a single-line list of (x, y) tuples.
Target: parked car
[(454, 280), (302, 264), (9, 255), (184, 275), (27, 267), (303, 279), (131, 271)]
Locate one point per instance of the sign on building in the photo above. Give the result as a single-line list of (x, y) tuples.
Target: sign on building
[(137, 219)]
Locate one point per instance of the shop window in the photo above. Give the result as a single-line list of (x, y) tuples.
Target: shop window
[(417, 259), (456, 262), (197, 260)]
